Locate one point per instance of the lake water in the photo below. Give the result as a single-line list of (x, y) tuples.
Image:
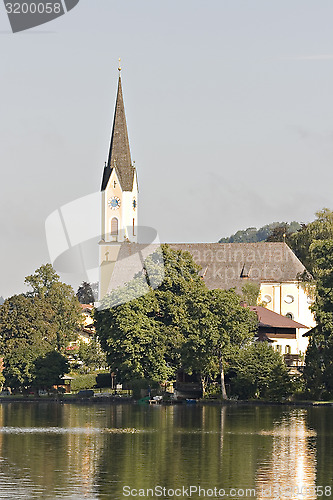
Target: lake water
[(69, 451)]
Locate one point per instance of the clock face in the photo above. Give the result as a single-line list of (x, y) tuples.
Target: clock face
[(114, 202), (134, 203)]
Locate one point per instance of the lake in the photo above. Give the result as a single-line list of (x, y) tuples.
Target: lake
[(78, 451)]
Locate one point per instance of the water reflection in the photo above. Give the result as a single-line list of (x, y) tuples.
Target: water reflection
[(290, 473), (76, 451)]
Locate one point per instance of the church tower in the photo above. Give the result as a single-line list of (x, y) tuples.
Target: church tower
[(119, 195)]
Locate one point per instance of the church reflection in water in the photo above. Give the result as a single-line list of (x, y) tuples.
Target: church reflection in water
[(290, 473)]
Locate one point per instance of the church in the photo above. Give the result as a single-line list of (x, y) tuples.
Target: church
[(284, 312)]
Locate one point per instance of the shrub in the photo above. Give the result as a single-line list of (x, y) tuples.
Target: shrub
[(81, 382)]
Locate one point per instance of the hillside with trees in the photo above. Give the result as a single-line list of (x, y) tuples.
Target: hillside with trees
[(254, 235)]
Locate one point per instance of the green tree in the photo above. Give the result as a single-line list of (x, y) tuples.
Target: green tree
[(142, 335), (48, 369), (92, 355), (87, 293), (60, 298), (44, 319), (280, 233), (318, 371), (132, 339), (200, 338), (254, 235), (216, 327), (41, 281), (236, 326), (304, 240), (251, 293), (25, 333), (179, 324), (261, 373)]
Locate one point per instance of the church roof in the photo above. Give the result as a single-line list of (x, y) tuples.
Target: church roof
[(232, 265), (223, 265), (119, 153)]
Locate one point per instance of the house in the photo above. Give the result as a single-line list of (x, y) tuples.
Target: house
[(285, 334)]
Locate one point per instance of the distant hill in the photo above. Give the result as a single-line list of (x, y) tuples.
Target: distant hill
[(253, 235)]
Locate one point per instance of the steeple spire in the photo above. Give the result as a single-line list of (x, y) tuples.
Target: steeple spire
[(119, 153)]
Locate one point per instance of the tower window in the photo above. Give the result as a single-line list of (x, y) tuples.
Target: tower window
[(133, 227), (114, 226)]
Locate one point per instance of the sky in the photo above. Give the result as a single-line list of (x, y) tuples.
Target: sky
[(229, 111)]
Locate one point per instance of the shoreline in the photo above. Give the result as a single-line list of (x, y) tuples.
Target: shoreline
[(128, 400)]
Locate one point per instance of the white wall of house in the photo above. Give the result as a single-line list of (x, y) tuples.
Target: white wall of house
[(289, 298)]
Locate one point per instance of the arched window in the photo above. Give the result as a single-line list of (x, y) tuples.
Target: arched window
[(290, 315), (114, 226), (287, 349)]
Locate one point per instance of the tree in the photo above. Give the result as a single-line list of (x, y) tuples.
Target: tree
[(67, 314), (251, 293), (140, 328), (318, 371), (303, 240), (48, 369), (133, 339), (280, 233), (261, 373), (217, 326), (236, 326), (92, 355), (87, 293), (41, 281), (254, 235), (181, 324), (43, 320), (200, 339), (60, 298), (25, 333)]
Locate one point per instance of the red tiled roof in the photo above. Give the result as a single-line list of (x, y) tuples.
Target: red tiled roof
[(273, 319)]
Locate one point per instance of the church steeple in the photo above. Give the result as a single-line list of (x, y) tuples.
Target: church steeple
[(119, 153), (119, 196)]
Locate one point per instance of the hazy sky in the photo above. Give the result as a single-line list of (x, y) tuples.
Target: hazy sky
[(229, 109)]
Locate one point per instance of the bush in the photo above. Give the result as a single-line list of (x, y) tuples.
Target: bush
[(261, 374), (81, 382)]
